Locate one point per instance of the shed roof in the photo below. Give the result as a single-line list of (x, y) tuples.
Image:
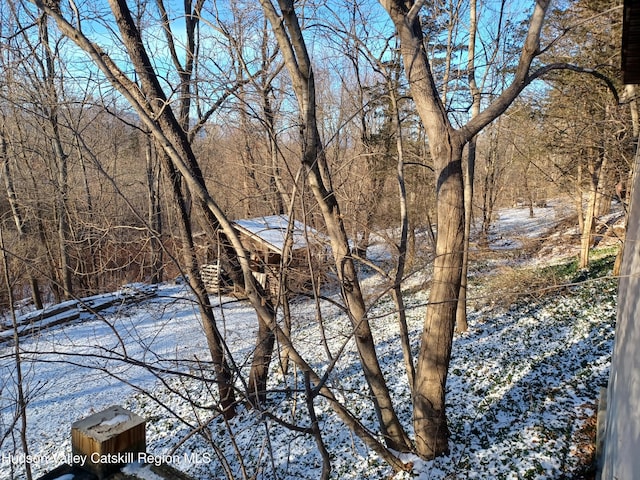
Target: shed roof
[(272, 230)]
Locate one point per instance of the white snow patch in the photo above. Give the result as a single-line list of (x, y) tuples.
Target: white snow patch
[(520, 385), (118, 419), (140, 471)]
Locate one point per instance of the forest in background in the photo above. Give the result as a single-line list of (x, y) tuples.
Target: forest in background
[(132, 134), (84, 190)]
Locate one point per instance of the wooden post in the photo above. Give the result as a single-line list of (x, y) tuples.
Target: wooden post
[(105, 441)]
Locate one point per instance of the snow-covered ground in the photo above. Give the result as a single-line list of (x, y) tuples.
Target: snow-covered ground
[(522, 388)]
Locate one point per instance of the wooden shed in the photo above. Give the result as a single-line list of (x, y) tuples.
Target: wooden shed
[(265, 238)]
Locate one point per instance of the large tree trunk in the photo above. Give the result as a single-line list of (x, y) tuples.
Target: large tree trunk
[(446, 146), (430, 422)]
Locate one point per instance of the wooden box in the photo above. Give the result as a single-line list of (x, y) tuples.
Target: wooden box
[(105, 441)]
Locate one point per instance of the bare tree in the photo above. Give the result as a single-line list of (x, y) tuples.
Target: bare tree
[(290, 39), (22, 395), (60, 156), (446, 144), (383, 139), (17, 213), (157, 115), (168, 132), (154, 221), (477, 90), (39, 65)]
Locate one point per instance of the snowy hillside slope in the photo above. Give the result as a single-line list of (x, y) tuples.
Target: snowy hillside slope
[(522, 389)]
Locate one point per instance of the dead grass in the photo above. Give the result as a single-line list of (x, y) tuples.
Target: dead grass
[(508, 285)]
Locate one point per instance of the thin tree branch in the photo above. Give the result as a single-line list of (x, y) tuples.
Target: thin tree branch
[(413, 12), (575, 68)]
